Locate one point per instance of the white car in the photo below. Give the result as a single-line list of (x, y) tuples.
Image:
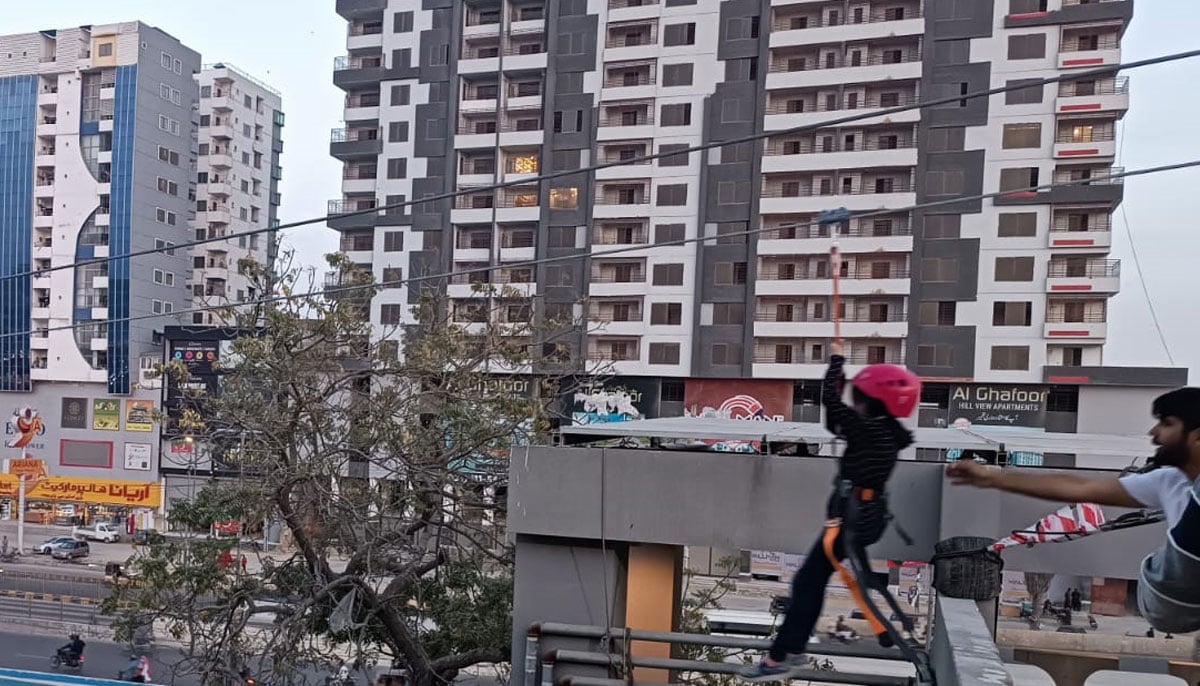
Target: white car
[(98, 532), (46, 547)]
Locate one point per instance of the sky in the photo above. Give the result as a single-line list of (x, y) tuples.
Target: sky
[(291, 45)]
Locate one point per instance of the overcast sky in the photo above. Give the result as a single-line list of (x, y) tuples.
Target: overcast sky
[(291, 45)]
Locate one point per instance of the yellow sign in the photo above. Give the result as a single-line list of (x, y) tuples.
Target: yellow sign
[(33, 470), (139, 415), (106, 415), (82, 490)]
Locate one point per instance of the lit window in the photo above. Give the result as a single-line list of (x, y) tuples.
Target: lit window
[(528, 199), (525, 164), (564, 198)]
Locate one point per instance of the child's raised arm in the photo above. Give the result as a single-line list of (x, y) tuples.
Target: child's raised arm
[(840, 418)]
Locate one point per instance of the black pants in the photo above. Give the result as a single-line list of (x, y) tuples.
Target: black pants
[(808, 597)]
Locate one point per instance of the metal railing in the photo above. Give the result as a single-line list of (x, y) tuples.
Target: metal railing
[(800, 104), (364, 30), (611, 155), (638, 236), (1093, 269), (1093, 136), (530, 123), (855, 230), (1096, 223), (1106, 175), (623, 354), (612, 276), (809, 147), (524, 48), (624, 4), (789, 23), (480, 52), (1108, 41), (771, 354), (800, 316), (630, 78), (475, 201), (643, 117), (814, 62), (520, 199), (608, 316), (770, 273), (807, 191), (1109, 86), (1053, 317), (348, 135)]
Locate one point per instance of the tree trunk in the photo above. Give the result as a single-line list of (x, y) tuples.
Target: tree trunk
[(1038, 585)]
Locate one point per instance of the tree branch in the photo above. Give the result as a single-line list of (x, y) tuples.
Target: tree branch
[(471, 657)]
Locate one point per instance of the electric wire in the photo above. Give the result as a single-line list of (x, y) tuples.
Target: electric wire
[(473, 190), (1137, 266), (287, 296)]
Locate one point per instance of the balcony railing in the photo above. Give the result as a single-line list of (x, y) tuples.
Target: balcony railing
[(1100, 176), (345, 135), (475, 201), (525, 48), (814, 63), (800, 316), (808, 147), (1073, 89), (628, 79), (632, 195), (1099, 222), (1093, 269), (627, 353), (799, 105), (344, 206), (795, 354), (1108, 41), (807, 191), (366, 30), (1070, 136), (894, 14), (609, 155), (521, 199), (623, 4), (1054, 317), (611, 276), (607, 314), (638, 236), (773, 273), (345, 62), (525, 90), (360, 173), (636, 118), (813, 230)]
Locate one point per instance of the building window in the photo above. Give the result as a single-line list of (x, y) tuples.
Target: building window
[(561, 237), (1018, 179), (165, 217), (669, 233), (940, 313), (947, 139), (564, 198), (1025, 135), (729, 313), (1026, 6), (664, 353), (666, 314), (1010, 357), (939, 269), (667, 275), (676, 115), (1012, 314), (677, 74), (1030, 95), (679, 34), (671, 195), (168, 186), (402, 22), (942, 225), (1027, 46), (1014, 269), (389, 314), (1017, 225), (392, 277), (944, 182), (393, 241), (726, 353), (397, 168), (729, 273), (677, 160), (940, 355)]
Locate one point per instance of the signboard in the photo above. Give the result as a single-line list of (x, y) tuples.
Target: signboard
[(200, 357), (138, 457), (619, 399), (24, 429), (139, 415), (33, 470), (81, 490), (998, 405), (759, 401), (74, 413), (106, 415)]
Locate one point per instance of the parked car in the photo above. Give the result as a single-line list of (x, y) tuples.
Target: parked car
[(46, 547), (99, 531), (71, 550), (148, 537)]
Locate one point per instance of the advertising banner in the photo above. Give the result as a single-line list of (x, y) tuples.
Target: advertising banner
[(106, 415), (751, 400), (81, 490), (139, 457), (74, 413), (619, 399), (139, 415)]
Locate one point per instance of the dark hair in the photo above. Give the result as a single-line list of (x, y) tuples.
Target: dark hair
[(1181, 403), (872, 407)]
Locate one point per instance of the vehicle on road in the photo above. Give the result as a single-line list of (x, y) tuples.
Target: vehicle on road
[(148, 537), (98, 532), (46, 547), (71, 550), (68, 659)]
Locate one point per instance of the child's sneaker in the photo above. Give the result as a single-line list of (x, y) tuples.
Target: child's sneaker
[(782, 671)]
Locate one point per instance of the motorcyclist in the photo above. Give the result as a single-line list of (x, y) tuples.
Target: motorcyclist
[(74, 649)]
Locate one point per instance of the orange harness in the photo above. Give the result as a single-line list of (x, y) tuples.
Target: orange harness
[(833, 528)]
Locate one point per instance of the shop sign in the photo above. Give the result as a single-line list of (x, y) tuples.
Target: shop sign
[(998, 405), (33, 470), (139, 415), (82, 490), (138, 456), (74, 413), (106, 415), (23, 430)]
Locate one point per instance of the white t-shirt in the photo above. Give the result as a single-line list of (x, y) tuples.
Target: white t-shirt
[(1166, 489)]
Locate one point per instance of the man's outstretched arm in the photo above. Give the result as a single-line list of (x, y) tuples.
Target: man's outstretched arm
[(1063, 488)]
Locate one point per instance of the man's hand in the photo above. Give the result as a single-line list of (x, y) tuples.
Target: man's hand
[(836, 348), (968, 472)]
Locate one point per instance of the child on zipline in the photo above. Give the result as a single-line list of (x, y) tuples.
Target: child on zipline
[(882, 393)]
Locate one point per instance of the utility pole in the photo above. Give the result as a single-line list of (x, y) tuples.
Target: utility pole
[(21, 515)]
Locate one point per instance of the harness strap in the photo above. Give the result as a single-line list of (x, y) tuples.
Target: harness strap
[(833, 529)]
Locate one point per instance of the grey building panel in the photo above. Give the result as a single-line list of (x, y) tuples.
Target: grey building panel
[(568, 104), (571, 44), (344, 150), (431, 129), (709, 257), (970, 164), (949, 20), (1163, 377), (734, 41), (357, 9), (1074, 14), (739, 93), (948, 80), (434, 60), (1108, 193), (359, 221), (350, 79), (421, 263), (433, 215), (725, 173), (965, 288), (960, 338)]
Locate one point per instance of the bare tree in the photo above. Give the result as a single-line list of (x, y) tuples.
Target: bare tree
[(384, 458)]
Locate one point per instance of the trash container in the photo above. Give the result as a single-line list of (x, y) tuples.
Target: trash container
[(965, 567)]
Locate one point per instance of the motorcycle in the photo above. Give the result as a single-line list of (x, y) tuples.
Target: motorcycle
[(67, 659)]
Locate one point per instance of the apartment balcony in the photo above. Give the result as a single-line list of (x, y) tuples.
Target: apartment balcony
[(358, 221), (630, 80), (780, 197), (480, 61), (214, 270), (358, 143), (805, 155), (1079, 51), (220, 160), (623, 317), (46, 98), (614, 201), (807, 71), (794, 26), (217, 189), (788, 113), (620, 154), (361, 110), (525, 49), (476, 27), (1065, 236), (632, 120), (617, 279), (44, 158), (359, 180), (614, 350), (805, 237), (1093, 330), (1109, 95), (892, 323), (519, 204), (1072, 144), (360, 9), (794, 359), (774, 282), (352, 72), (1084, 275), (521, 166), (47, 127)]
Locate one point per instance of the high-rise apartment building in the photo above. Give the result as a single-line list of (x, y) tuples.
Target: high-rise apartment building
[(1007, 294), (240, 129)]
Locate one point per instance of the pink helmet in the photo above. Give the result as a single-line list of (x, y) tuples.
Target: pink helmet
[(897, 388)]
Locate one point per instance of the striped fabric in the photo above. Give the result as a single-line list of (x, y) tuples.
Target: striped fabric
[(1169, 588), (1071, 521)]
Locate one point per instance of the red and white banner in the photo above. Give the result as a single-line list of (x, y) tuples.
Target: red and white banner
[(1071, 521)]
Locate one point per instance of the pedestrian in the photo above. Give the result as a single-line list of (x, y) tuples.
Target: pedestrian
[(1067, 599), (244, 561), (882, 395), (1076, 600), (1168, 595)]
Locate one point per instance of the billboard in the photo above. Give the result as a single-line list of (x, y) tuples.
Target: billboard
[(619, 399), (1000, 405), (748, 399)]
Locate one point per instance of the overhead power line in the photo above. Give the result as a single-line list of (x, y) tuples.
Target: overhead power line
[(850, 118), (607, 253)]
